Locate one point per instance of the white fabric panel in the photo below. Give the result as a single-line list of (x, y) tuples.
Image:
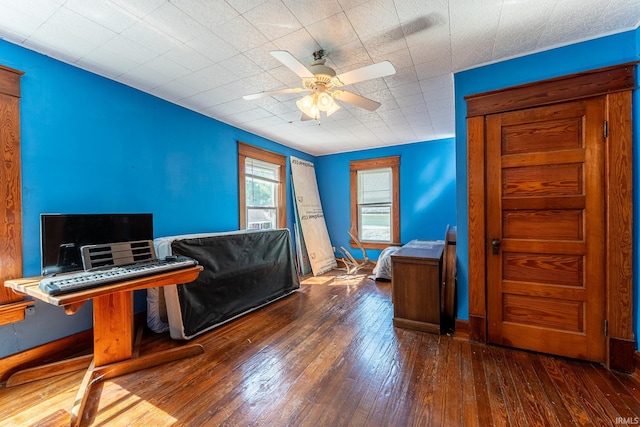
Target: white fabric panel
[(314, 228)]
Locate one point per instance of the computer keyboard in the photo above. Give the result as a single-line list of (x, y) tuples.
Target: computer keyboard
[(72, 282)]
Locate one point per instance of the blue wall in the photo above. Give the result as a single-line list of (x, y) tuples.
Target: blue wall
[(602, 52), (90, 145), (427, 191)]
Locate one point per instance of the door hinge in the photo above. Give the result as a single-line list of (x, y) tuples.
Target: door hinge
[(606, 328), (606, 129)]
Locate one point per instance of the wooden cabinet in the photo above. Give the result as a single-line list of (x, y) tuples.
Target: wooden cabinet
[(416, 270)]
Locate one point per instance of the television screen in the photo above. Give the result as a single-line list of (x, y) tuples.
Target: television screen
[(62, 236)]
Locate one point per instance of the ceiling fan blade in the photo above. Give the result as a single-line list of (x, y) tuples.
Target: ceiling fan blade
[(357, 100), (381, 69), (292, 63), (304, 118), (274, 92)]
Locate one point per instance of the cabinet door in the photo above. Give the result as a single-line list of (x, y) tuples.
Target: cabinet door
[(416, 293)]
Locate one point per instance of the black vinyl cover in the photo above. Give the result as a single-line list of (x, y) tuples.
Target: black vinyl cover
[(242, 271)]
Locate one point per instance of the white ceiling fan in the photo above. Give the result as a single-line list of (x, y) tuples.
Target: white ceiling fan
[(323, 83)]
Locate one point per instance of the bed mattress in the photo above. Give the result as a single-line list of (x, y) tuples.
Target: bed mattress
[(243, 271)]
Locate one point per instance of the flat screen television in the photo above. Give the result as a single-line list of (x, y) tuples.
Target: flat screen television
[(62, 236)]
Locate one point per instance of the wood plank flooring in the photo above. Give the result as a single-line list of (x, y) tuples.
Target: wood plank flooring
[(329, 356)]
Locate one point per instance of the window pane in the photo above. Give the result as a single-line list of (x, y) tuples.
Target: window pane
[(261, 218), (375, 223), (374, 186), (261, 169), (261, 193)]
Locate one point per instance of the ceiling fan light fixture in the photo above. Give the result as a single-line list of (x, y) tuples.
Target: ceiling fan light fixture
[(335, 107), (325, 101), (322, 81), (313, 104), (309, 106), (305, 102)]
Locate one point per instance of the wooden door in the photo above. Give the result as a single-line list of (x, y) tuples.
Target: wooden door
[(545, 223)]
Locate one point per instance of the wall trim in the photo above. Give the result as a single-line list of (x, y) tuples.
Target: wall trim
[(14, 311), (602, 81), (461, 330), (636, 364), (622, 352), (45, 353), (10, 191)]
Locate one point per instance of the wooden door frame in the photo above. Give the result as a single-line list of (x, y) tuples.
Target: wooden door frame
[(616, 84), (12, 305)]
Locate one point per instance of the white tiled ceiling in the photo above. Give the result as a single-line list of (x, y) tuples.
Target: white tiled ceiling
[(206, 54)]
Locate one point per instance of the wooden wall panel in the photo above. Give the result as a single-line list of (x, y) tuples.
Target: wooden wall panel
[(10, 81), (540, 181), (563, 134), (564, 270), (10, 189), (557, 314), (476, 244), (543, 224), (567, 88), (619, 191)]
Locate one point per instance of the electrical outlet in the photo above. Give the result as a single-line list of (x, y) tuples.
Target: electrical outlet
[(30, 310)]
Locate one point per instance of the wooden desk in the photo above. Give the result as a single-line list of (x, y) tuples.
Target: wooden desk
[(416, 271), (113, 345)]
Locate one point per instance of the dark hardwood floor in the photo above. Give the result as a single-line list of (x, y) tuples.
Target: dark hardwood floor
[(329, 355)]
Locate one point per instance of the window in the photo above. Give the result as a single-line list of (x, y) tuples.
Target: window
[(261, 188), (375, 201)]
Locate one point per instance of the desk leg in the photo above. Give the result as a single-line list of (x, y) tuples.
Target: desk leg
[(82, 396), (49, 370), (95, 374), (112, 328), (113, 347)]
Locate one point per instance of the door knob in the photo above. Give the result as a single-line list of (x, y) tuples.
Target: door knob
[(495, 243)]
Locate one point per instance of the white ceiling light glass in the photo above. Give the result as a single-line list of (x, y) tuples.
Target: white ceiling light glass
[(311, 105)]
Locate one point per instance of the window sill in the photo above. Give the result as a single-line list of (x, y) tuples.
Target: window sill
[(375, 245)]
